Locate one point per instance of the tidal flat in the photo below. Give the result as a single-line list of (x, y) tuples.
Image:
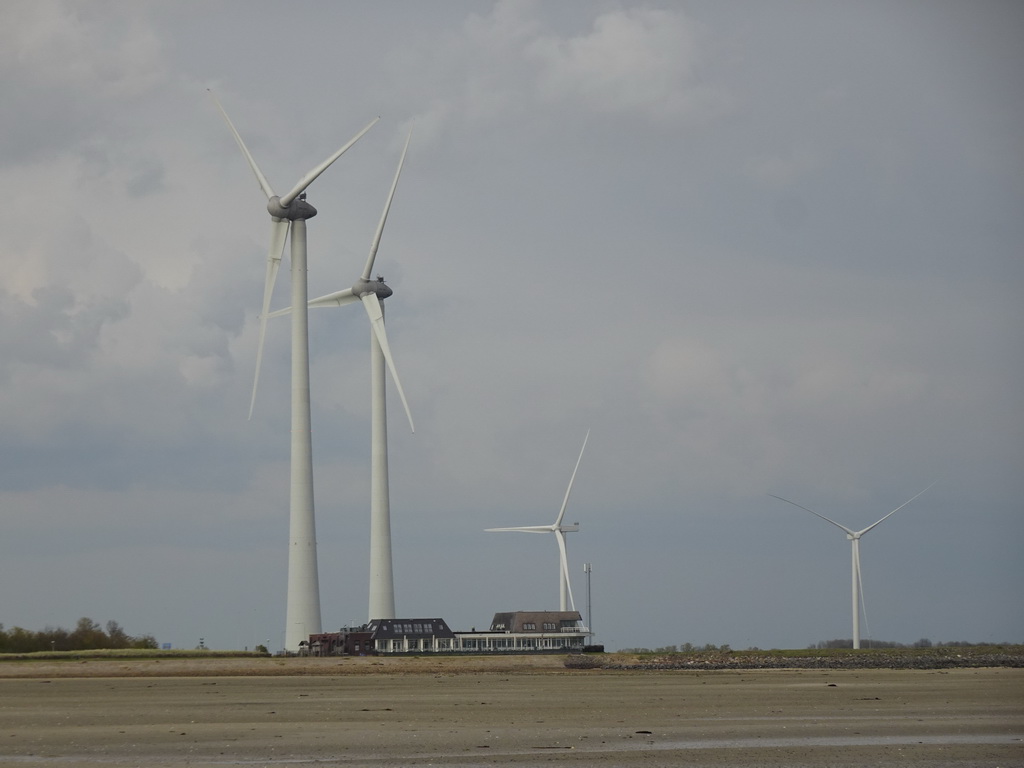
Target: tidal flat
[(514, 711)]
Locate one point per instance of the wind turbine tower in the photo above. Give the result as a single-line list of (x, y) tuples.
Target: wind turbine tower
[(371, 293), (302, 615), (557, 528), (854, 538)]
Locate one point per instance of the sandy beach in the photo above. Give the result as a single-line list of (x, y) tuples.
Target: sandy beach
[(520, 711)]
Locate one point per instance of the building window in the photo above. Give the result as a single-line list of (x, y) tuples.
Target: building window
[(529, 626), (549, 626)]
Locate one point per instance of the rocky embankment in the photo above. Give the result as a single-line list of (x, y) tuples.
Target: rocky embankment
[(898, 658)]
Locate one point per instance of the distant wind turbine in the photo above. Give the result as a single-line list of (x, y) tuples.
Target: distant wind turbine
[(291, 210), (371, 293), (854, 537), (565, 589)]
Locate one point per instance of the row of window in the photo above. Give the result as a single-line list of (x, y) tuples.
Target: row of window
[(394, 645), (413, 628)]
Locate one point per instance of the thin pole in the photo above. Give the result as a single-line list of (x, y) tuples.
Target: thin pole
[(855, 542), (590, 616)]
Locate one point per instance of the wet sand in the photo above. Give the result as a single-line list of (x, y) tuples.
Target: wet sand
[(516, 712)]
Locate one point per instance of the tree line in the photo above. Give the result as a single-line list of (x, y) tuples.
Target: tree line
[(820, 645), (86, 636), (924, 642), (684, 648)]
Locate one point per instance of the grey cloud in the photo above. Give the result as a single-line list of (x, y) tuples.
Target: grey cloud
[(746, 273), (66, 74)]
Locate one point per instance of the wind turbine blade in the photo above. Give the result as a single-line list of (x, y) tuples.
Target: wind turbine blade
[(310, 177), (264, 184), (860, 591), (336, 299), (901, 506), (805, 509), (278, 235), (565, 566), (568, 490), (384, 216), (524, 529), (376, 315)]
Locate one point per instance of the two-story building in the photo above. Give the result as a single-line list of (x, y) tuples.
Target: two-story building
[(511, 632)]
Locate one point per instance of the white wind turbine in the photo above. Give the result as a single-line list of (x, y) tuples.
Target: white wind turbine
[(854, 537), (371, 293), (565, 590), (302, 615)]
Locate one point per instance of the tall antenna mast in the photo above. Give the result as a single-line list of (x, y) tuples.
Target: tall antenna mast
[(590, 617)]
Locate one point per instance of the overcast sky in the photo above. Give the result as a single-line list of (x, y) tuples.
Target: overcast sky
[(756, 248)]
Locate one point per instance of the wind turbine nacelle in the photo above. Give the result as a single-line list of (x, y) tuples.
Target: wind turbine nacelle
[(569, 528), (362, 287), (299, 210)]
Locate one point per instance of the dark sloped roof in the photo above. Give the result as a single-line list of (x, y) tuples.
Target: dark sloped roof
[(384, 629), (516, 621)]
